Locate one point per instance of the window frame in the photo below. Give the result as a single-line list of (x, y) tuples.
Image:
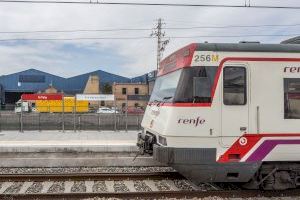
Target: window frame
[(136, 90), (124, 89), (245, 85), (102, 103), (31, 78), (286, 91)]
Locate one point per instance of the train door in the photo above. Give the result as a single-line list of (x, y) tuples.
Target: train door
[(235, 105)]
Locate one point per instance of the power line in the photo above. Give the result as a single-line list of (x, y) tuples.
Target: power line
[(235, 26), (136, 38), (62, 39), (151, 4), (76, 30), (148, 29), (237, 36)]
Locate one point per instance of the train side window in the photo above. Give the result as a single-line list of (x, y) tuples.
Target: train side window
[(292, 98), (234, 86)]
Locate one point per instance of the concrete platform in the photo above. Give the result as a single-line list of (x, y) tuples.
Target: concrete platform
[(55, 141), (69, 149), (74, 160)]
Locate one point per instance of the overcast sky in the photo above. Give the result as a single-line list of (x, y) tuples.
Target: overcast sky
[(125, 57)]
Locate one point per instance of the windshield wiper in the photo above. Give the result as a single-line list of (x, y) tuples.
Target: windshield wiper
[(163, 100), (166, 98)]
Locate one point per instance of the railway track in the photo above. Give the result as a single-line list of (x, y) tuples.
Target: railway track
[(90, 176), (156, 195), (84, 185), (116, 185)]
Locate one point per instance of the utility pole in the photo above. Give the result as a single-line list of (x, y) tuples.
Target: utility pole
[(161, 44), (247, 3)]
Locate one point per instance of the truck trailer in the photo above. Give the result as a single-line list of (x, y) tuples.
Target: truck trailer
[(67, 105)]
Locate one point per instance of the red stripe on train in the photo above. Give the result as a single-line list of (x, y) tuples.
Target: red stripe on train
[(221, 65), (245, 143)]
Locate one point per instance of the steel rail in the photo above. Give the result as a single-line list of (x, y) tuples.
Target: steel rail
[(90, 176)]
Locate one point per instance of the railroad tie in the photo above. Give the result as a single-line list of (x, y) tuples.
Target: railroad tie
[(110, 186), (130, 186), (152, 185), (46, 186), (172, 185), (89, 186), (24, 187), (5, 185), (68, 186)]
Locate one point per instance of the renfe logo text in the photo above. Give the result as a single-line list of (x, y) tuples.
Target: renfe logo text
[(292, 69), (196, 122)]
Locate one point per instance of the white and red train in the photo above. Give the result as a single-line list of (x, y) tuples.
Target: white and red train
[(228, 113)]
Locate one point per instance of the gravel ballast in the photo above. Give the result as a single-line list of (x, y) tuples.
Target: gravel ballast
[(214, 198), (15, 188), (78, 186), (35, 188), (100, 186), (57, 187), (162, 185), (183, 185), (141, 186), (63, 170), (120, 186)]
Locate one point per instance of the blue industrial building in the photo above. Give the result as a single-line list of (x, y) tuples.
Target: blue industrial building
[(12, 86)]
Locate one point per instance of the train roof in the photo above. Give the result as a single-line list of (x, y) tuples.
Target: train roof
[(248, 47), (183, 57), (294, 40)]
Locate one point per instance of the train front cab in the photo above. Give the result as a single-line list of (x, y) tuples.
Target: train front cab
[(199, 164), (234, 158)]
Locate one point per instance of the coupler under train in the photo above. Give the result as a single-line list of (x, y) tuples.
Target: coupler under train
[(145, 143)]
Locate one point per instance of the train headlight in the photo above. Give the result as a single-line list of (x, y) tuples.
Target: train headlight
[(162, 140)]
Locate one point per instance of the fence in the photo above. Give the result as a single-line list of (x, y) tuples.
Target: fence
[(71, 120)]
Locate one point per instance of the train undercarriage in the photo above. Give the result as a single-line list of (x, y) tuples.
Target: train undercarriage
[(199, 165)]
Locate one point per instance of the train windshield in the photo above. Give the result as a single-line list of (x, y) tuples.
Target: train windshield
[(178, 86), (165, 87)]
